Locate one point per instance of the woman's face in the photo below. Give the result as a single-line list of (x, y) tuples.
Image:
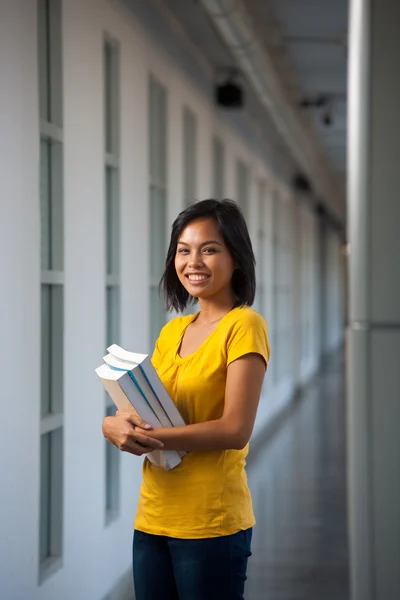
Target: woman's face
[(203, 262)]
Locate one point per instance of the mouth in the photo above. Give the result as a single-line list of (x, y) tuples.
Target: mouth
[(197, 278)]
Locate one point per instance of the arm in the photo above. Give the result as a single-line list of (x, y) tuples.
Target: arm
[(233, 430)]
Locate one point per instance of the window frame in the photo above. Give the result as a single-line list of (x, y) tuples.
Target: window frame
[(112, 247), (243, 186), (189, 152), (158, 197), (218, 167), (51, 209)]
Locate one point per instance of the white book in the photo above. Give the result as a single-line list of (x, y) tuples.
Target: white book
[(144, 392), (127, 398), (144, 363)]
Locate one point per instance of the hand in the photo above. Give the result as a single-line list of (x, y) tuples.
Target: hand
[(134, 419), (123, 433)]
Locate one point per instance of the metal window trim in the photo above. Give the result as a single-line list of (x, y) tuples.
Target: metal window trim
[(113, 281), (111, 160), (48, 277), (50, 131), (51, 422), (48, 567)]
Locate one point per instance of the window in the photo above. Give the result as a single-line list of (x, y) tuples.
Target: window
[(281, 288), (157, 201), (218, 168), (189, 156), (112, 259), (52, 285), (306, 285), (242, 187), (262, 247)]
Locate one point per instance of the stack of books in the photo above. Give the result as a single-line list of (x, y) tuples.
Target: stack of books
[(134, 386)]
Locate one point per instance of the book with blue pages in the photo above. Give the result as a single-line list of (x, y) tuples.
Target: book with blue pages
[(134, 386)]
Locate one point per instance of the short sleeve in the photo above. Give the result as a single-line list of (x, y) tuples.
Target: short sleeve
[(249, 334), (156, 357), (159, 348), (166, 340)]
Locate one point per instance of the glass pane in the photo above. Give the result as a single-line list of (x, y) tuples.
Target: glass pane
[(56, 472), (242, 186), (162, 135), (275, 362), (111, 97), (112, 315), (107, 97), (44, 497), (261, 300), (112, 478), (50, 64), (157, 315), (51, 494), (51, 206), (52, 328), (157, 232), (112, 221), (189, 157), (57, 347), (218, 167), (45, 350), (43, 56), (45, 212), (261, 234), (56, 208), (152, 129), (157, 133), (55, 62)]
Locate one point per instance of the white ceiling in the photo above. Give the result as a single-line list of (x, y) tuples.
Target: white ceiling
[(311, 41), (308, 42)]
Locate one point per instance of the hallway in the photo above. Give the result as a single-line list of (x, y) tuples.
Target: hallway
[(298, 482)]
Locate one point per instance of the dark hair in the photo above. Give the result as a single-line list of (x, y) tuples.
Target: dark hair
[(233, 229)]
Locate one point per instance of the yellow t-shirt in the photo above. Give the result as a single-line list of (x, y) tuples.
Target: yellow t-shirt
[(207, 494)]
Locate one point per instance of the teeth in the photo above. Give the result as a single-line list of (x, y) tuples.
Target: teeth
[(197, 277)]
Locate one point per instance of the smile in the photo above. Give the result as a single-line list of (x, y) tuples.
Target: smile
[(197, 279)]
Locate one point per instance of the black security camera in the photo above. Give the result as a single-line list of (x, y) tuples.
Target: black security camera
[(327, 117)]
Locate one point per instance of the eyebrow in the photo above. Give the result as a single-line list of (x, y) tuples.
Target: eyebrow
[(203, 244)]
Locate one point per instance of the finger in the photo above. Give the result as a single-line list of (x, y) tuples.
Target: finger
[(147, 441), (136, 420), (134, 448)]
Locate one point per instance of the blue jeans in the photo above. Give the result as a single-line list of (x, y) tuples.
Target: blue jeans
[(167, 568)]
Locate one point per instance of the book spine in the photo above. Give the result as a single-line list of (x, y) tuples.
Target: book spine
[(161, 394), (155, 393)]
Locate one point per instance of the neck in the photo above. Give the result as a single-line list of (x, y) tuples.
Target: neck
[(213, 309)]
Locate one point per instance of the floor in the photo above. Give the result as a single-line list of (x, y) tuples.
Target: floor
[(298, 482)]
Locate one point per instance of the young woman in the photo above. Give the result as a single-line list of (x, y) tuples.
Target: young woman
[(194, 523)]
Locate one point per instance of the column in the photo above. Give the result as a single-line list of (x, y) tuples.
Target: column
[(19, 299), (374, 284)]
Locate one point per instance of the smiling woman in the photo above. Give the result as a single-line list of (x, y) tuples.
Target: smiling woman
[(217, 229), (204, 265), (193, 525)]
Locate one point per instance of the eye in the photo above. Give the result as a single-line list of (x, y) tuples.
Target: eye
[(183, 250), (209, 250)]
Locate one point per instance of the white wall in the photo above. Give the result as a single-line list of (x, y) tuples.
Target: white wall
[(95, 555), (19, 301)]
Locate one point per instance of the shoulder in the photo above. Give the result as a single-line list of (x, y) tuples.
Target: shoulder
[(245, 317), (246, 333), (174, 328), (168, 339)]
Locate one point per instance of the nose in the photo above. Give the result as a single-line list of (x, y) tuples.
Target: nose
[(195, 259)]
